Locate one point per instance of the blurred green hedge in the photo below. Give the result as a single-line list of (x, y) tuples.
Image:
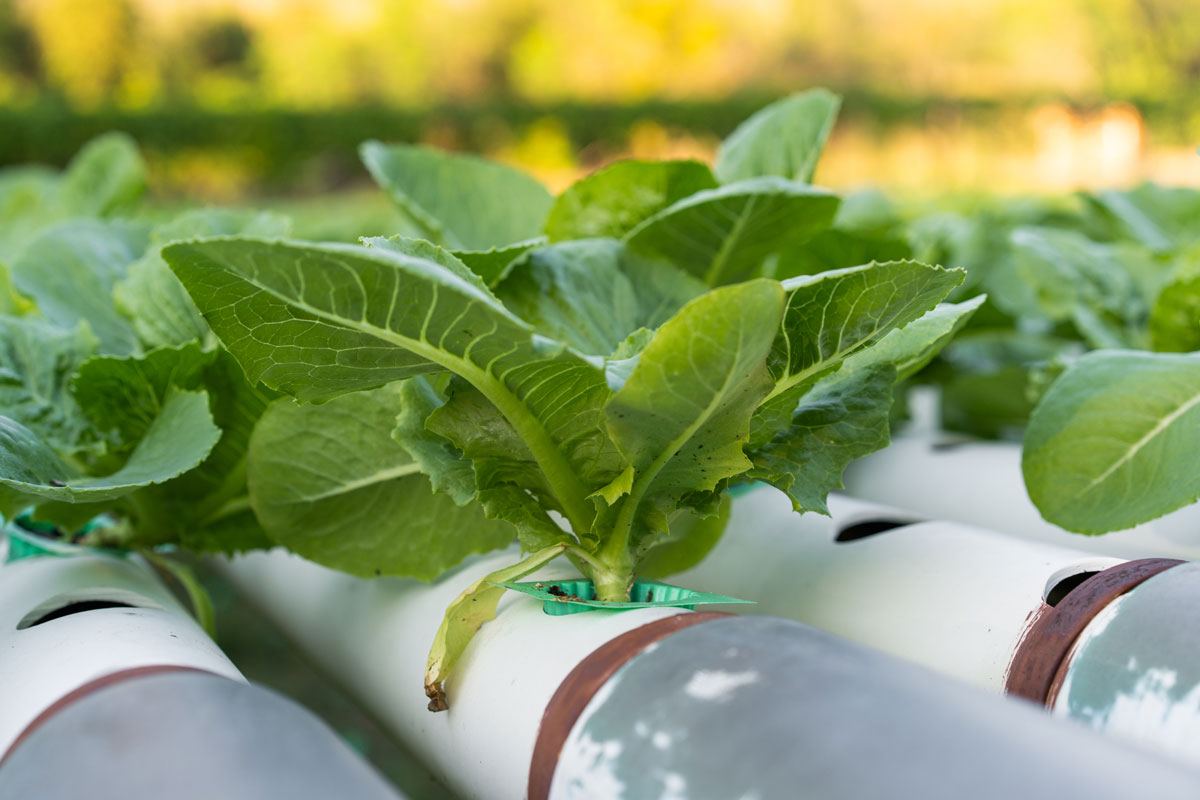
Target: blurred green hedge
[(285, 150), (283, 141)]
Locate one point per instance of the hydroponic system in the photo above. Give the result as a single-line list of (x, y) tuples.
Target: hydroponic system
[(553, 485)]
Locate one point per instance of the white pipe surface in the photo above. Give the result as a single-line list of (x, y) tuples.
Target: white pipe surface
[(980, 483), (40, 663), (955, 598), (374, 636)]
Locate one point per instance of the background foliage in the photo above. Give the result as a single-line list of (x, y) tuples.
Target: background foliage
[(230, 97)]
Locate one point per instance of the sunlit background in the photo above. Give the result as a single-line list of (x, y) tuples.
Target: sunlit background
[(236, 99)]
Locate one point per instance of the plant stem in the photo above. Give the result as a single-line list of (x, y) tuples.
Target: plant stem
[(234, 506), (614, 581), (612, 566)]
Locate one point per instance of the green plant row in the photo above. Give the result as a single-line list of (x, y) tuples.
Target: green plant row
[(585, 374)]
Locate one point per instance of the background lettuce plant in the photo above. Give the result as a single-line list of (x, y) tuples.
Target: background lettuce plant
[(1108, 444), (115, 395), (588, 373)]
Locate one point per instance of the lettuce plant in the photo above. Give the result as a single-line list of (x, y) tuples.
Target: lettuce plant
[(1108, 436), (116, 398), (588, 373)]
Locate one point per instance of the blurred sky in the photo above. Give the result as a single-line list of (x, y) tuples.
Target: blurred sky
[(1108, 79)]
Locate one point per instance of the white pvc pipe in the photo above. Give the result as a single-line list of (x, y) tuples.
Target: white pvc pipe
[(40, 663), (374, 636), (980, 483), (955, 598)]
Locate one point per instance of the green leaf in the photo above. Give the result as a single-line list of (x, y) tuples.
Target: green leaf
[(490, 264), (1113, 443), (179, 439), (156, 306), (1175, 317), (618, 488), (467, 614), (330, 483), (592, 294), (419, 248), (845, 414), (1062, 276), (990, 405), (683, 414), (69, 271), (991, 380), (440, 460), (106, 177), (910, 348), (500, 479), (837, 422), (1158, 217), (151, 297), (12, 304), (724, 235), (462, 202), (295, 315), (832, 316), (507, 472), (71, 517), (25, 461), (37, 362), (785, 139), (236, 407), (206, 509), (320, 320), (482, 267), (691, 538), (838, 248), (229, 533), (612, 201), (535, 528), (866, 228), (26, 205), (123, 396)]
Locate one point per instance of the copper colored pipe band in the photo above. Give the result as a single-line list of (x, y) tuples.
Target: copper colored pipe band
[(91, 686), (578, 688), (1043, 652)]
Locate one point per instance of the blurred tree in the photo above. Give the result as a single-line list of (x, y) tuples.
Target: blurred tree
[(1147, 49), (223, 43), (19, 56), (87, 46)]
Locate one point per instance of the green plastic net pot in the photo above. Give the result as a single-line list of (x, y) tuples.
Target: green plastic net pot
[(30, 538), (576, 596)]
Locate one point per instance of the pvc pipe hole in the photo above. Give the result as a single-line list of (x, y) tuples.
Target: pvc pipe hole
[(949, 444), (866, 528), (1067, 585), (75, 608), (79, 602)]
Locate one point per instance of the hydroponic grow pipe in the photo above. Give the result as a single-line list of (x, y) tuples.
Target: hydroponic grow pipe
[(1124, 661), (669, 703), (1110, 643), (952, 597), (109, 689), (68, 622), (945, 476), (186, 735)]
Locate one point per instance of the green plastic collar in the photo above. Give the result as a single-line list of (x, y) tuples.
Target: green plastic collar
[(577, 596), (27, 539)]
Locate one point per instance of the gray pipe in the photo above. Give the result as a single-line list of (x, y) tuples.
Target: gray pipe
[(186, 735), (761, 708)]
